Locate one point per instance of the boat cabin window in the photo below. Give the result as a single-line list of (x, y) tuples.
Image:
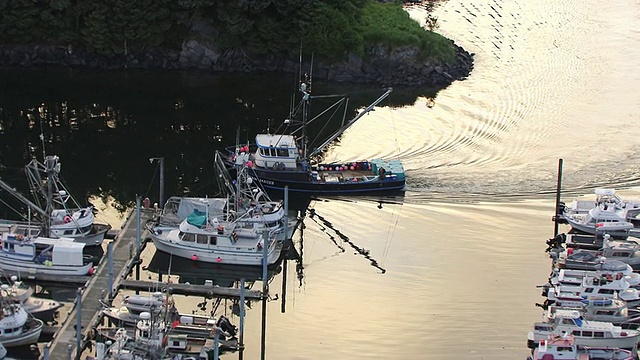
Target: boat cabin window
[(564, 348), (8, 246), (273, 152), (213, 240), (543, 327), (69, 232), (606, 291), (42, 247), (588, 290), (588, 333), (605, 312), (86, 229), (186, 237), (568, 322), (621, 254), (202, 239)]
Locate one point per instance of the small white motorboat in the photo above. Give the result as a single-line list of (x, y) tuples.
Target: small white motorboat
[(565, 348), (585, 332)]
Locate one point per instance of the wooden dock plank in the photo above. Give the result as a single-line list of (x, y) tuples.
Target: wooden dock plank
[(190, 289)]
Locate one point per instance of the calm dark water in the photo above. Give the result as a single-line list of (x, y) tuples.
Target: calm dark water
[(451, 269)]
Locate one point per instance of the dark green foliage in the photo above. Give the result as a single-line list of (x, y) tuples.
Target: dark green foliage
[(330, 29), (389, 24)]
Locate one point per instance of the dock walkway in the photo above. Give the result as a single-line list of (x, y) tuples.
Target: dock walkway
[(63, 346)]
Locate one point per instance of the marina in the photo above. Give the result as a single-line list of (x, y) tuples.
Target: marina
[(461, 252), (114, 272)]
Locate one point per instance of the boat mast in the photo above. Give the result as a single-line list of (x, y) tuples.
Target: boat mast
[(305, 89), (20, 197)]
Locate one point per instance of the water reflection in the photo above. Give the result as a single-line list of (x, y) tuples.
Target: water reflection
[(164, 265)]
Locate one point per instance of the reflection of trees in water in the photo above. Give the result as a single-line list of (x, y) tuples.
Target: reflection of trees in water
[(106, 125)]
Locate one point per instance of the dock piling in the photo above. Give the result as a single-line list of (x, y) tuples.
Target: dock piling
[(78, 320), (241, 335), (110, 260), (137, 226), (558, 190)]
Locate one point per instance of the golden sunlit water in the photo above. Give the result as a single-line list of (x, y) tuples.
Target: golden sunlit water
[(449, 271)]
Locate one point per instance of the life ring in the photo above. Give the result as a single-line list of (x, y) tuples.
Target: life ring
[(67, 219)]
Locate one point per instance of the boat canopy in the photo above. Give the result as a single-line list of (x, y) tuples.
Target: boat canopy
[(278, 141), (67, 253), (186, 205), (605, 192), (197, 218)]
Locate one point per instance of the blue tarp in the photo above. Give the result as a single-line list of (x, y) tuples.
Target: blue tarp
[(197, 218)]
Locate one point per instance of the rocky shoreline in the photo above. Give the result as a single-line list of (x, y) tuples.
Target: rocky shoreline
[(398, 67)]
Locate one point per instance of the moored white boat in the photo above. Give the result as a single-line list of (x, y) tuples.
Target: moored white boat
[(615, 311), (59, 214), (17, 326), (40, 255), (624, 251), (575, 277), (573, 295), (629, 209), (565, 348), (585, 332), (217, 243), (608, 214), (43, 309)]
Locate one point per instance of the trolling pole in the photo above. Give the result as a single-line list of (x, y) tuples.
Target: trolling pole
[(351, 122)]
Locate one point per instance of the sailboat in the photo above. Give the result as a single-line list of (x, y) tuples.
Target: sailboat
[(283, 159), (60, 214)]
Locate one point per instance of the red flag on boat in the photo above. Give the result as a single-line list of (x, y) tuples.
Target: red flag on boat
[(175, 324)]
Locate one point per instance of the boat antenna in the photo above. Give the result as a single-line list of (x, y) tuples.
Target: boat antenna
[(305, 89), (41, 136)]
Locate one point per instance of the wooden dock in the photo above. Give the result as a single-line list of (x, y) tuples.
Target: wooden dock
[(63, 346), (95, 292), (190, 289)]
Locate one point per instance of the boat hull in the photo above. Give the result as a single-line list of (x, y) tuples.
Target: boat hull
[(28, 267), (96, 236), (298, 182), (220, 256), (43, 309), (28, 337), (624, 342)]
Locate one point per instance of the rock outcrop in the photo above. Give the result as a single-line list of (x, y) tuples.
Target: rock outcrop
[(382, 66)]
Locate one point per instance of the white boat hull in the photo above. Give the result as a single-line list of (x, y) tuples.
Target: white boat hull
[(95, 237), (625, 342), (29, 337), (28, 267), (227, 255)]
